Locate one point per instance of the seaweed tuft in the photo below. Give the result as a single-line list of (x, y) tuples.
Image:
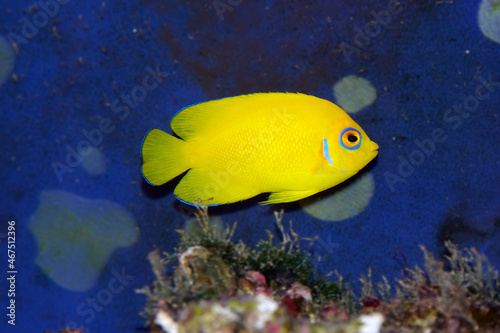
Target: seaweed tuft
[(462, 292)]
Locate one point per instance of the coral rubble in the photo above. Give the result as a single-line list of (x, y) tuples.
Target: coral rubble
[(216, 285)]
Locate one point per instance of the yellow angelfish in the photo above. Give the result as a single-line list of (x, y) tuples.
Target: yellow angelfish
[(292, 145)]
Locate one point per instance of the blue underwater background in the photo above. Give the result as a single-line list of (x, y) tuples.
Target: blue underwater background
[(83, 81)]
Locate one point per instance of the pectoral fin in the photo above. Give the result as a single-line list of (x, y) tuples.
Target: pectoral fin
[(287, 196)]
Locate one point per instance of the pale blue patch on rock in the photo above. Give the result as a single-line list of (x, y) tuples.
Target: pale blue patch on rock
[(353, 93), (7, 59), (342, 204), (93, 161), (76, 236), (489, 19)]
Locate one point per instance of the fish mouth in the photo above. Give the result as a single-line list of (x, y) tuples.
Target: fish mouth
[(374, 147)]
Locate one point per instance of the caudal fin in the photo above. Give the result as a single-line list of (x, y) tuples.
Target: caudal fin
[(163, 157)]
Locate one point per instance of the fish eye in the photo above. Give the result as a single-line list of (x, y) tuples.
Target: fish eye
[(350, 138)]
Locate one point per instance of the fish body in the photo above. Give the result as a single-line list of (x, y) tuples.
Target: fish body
[(291, 145)]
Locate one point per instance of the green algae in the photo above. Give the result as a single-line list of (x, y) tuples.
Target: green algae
[(280, 265)]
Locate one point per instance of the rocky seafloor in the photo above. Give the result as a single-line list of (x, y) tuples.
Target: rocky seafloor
[(212, 284)]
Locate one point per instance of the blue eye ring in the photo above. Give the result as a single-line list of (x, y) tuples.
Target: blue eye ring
[(350, 138)]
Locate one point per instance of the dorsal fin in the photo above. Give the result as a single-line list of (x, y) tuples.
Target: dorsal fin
[(192, 121)]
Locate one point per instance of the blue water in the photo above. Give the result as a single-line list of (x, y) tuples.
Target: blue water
[(114, 70)]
